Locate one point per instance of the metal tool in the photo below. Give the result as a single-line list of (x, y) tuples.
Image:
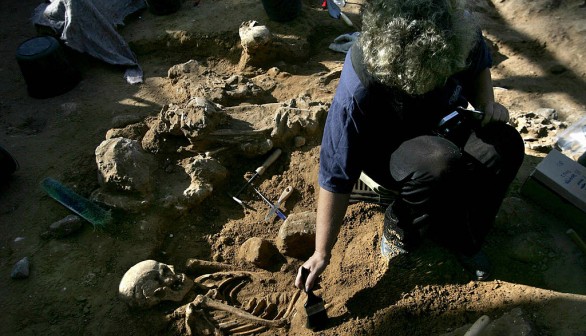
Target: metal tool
[(284, 195), (278, 211), (259, 171), (335, 12)]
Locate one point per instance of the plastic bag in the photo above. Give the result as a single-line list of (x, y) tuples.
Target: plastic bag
[(572, 141)]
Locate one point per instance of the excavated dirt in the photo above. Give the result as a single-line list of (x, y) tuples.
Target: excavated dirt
[(539, 49)]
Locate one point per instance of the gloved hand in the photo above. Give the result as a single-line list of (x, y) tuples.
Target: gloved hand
[(344, 42)]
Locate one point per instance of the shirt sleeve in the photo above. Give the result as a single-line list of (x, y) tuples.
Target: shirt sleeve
[(340, 153), (480, 57)]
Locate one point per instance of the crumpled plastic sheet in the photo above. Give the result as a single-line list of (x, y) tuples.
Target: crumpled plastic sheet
[(90, 27)]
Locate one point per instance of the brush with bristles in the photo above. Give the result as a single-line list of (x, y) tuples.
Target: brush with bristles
[(317, 317)]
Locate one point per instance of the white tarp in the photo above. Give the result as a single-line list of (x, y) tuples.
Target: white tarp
[(89, 26)]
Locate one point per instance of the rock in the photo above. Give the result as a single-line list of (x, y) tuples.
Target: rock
[(547, 113), (21, 269), (253, 36), (204, 173), (133, 131), (298, 141), (115, 200), (124, 120), (256, 148), (178, 70), (256, 41), (65, 226), (557, 69), (526, 248), (290, 122), (124, 166), (296, 236), (259, 252), (192, 120)]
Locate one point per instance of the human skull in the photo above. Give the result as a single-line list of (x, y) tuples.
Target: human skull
[(150, 282)]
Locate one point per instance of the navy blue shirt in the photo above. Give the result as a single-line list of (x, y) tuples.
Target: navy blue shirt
[(368, 121)]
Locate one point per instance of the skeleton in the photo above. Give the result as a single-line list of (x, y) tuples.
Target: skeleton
[(150, 282), (224, 309)]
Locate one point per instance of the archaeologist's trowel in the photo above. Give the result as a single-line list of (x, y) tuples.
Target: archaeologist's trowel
[(273, 210), (335, 12), (76, 203), (271, 205)]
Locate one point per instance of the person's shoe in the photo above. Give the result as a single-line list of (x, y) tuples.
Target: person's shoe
[(394, 239), (478, 264), (390, 250)]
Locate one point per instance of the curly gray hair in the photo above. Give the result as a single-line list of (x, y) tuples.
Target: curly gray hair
[(415, 45)]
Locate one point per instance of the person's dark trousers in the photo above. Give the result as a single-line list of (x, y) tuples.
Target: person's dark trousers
[(454, 194)]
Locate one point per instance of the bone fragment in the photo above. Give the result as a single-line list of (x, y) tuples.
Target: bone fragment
[(260, 307), (233, 296), (203, 301), (208, 281), (197, 266), (229, 324), (270, 312), (192, 318), (249, 307), (226, 286), (247, 329), (292, 304)]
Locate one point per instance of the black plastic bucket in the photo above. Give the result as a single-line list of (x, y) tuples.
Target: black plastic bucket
[(282, 10), (8, 164), (163, 7), (45, 67)]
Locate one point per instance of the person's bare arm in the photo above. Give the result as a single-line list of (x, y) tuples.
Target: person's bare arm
[(331, 208), (483, 99)]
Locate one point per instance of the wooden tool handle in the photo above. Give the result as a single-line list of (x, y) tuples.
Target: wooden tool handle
[(269, 161), (346, 19), (284, 195), (577, 240)]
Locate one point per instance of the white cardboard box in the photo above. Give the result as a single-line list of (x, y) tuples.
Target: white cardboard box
[(564, 176), (558, 184)]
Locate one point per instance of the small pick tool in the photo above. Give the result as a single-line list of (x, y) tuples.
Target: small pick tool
[(317, 317), (259, 171), (273, 210)]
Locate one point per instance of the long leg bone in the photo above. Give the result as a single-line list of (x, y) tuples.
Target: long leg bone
[(203, 301)]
